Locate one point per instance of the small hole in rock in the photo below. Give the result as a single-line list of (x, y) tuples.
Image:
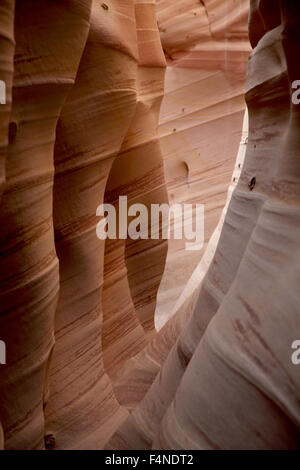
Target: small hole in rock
[(252, 183), (12, 131), (49, 441)]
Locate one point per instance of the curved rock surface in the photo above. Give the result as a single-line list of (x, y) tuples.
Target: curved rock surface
[(141, 370), (196, 115), (103, 100), (135, 267), (207, 48), (7, 48), (229, 382), (29, 275), (145, 99), (1, 438), (99, 105)]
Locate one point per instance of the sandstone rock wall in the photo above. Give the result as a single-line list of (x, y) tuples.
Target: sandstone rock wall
[(7, 47), (93, 123), (207, 48), (49, 45), (135, 267), (88, 81), (87, 119), (202, 109), (141, 370), (229, 382)]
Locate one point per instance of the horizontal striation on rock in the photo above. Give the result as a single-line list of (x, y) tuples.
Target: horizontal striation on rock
[(229, 382), (138, 343), (7, 48), (29, 266), (82, 410), (207, 49), (134, 267), (141, 370)]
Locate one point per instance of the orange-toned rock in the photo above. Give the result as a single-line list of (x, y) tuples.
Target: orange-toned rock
[(7, 47), (82, 410), (140, 372), (202, 108), (86, 127), (229, 382), (50, 37), (207, 47), (1, 438), (133, 268)]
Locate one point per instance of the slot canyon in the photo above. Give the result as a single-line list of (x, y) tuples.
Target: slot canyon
[(137, 342)]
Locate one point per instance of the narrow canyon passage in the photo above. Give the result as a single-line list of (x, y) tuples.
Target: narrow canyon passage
[(121, 122)]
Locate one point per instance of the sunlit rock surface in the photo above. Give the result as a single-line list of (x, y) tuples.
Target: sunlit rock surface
[(7, 47), (146, 99), (50, 38), (207, 48), (229, 381)]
